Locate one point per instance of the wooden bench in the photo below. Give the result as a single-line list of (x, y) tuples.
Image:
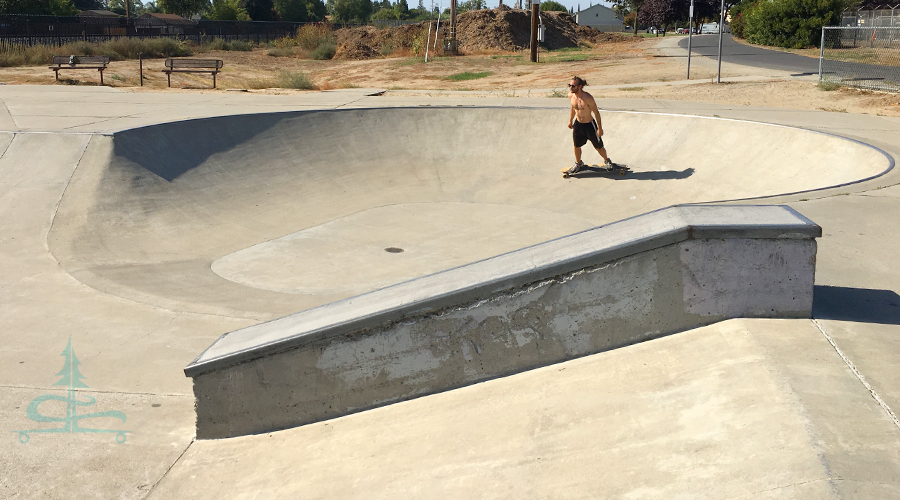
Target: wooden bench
[(80, 62), (211, 66)]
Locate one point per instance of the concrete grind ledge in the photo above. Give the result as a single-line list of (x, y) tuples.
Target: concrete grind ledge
[(611, 286)]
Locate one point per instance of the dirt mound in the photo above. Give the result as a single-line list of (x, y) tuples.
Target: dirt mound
[(355, 50), (501, 29), (510, 29)]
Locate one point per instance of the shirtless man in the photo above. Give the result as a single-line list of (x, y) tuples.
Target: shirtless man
[(585, 127)]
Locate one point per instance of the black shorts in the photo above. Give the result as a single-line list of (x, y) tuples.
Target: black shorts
[(583, 132)]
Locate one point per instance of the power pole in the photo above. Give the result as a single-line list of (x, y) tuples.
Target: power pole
[(721, 30), (535, 12), (690, 37), (452, 48)]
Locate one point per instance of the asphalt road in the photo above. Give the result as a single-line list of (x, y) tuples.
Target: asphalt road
[(733, 52)]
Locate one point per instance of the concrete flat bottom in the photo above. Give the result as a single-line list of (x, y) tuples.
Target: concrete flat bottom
[(716, 412)]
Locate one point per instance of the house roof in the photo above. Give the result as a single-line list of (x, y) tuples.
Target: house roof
[(595, 7), (165, 18), (98, 13)]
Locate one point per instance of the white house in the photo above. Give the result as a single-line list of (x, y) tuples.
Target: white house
[(600, 17)]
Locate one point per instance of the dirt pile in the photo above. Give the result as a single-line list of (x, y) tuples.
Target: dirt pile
[(500, 29), (510, 29), (367, 42)]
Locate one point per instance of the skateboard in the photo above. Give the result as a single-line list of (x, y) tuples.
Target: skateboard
[(615, 168)]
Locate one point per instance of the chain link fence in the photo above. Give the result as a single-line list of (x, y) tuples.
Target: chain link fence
[(867, 58)]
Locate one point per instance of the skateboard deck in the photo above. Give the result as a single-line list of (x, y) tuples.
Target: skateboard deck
[(616, 168)]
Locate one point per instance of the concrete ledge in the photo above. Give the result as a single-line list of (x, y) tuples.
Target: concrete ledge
[(614, 285)]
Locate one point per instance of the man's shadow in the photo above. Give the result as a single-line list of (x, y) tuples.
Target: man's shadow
[(640, 175), (861, 305)]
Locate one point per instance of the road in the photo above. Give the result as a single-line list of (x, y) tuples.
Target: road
[(747, 55), (885, 77)]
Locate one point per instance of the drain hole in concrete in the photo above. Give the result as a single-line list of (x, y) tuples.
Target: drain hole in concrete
[(393, 250)]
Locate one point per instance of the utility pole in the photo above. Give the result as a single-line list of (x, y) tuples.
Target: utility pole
[(690, 37), (452, 47), (535, 12), (721, 31)]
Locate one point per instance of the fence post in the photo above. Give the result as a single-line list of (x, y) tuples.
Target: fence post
[(821, 53)]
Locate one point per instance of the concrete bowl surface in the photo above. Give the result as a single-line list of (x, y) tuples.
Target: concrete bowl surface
[(127, 217), (258, 216)]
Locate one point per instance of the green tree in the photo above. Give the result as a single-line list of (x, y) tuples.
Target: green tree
[(385, 14), (147, 8), (259, 10), (623, 7), (473, 5), (227, 10), (401, 8), (118, 6), (551, 6), (39, 7), (88, 4), (315, 10), (358, 11), (790, 23), (183, 8), (291, 10)]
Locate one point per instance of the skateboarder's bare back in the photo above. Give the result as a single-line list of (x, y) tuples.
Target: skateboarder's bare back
[(584, 127)]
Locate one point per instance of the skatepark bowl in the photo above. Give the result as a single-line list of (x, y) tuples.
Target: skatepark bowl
[(263, 216)]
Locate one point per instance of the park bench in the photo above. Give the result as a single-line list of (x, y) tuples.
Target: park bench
[(211, 66), (80, 62)]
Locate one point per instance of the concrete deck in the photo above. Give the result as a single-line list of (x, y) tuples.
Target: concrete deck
[(744, 408)]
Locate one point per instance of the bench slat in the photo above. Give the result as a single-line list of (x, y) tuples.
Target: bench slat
[(96, 60), (194, 63)]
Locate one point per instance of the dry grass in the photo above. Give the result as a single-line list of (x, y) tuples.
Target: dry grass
[(615, 65)]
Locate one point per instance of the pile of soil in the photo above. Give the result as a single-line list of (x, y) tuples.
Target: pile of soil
[(500, 29), (510, 29)]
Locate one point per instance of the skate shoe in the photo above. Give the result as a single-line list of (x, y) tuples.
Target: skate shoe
[(574, 168)]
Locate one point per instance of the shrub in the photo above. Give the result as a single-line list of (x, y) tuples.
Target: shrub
[(737, 16), (42, 54), (281, 52), (12, 58), (117, 50), (790, 23), (312, 36), (213, 44), (239, 45), (129, 48), (325, 50), (291, 80)]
